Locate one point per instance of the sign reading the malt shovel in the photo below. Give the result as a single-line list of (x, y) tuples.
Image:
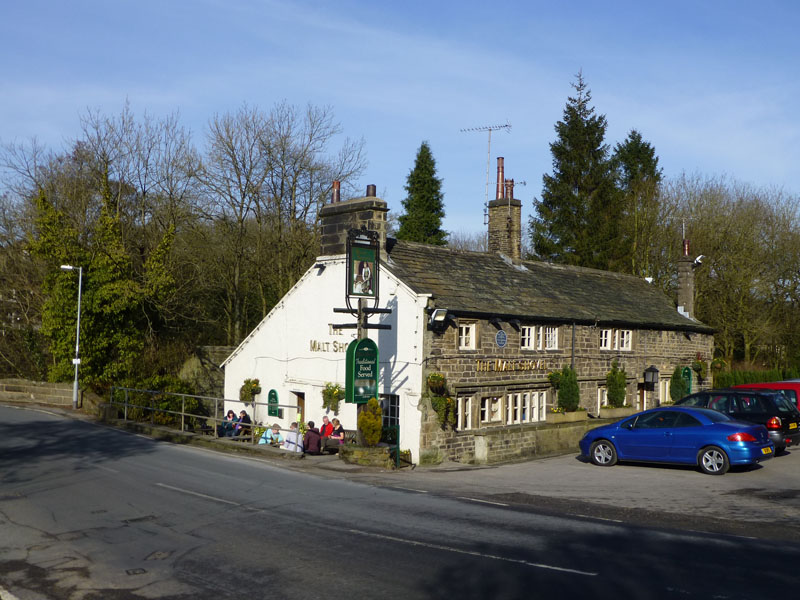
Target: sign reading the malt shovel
[(361, 371)]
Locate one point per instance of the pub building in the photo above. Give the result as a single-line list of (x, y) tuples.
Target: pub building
[(492, 324)]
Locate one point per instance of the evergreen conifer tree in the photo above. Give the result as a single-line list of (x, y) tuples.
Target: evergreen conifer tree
[(639, 180), (424, 208), (579, 213)]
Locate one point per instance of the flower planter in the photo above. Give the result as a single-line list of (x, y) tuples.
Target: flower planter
[(607, 412), (567, 417)]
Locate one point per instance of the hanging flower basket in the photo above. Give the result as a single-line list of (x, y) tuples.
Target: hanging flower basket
[(249, 390), (331, 395), (437, 384)]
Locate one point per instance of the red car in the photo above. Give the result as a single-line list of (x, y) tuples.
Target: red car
[(790, 389)]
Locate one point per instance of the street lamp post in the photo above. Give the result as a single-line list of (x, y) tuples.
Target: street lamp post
[(77, 360)]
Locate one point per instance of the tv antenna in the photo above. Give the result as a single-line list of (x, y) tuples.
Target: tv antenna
[(488, 128)]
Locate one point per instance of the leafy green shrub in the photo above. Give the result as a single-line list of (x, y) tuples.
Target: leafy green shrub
[(616, 385), (678, 387), (569, 395), (370, 422)]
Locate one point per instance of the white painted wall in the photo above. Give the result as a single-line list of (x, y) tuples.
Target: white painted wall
[(294, 350)]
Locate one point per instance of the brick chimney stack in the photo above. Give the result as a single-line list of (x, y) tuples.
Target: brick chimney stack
[(505, 218), (338, 217)]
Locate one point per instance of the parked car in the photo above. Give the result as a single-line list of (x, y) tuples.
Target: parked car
[(682, 435), (790, 389), (765, 407)]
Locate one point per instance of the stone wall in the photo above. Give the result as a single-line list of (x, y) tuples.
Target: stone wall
[(38, 392), (492, 369), (515, 442)]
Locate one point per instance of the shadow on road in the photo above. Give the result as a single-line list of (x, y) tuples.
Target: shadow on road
[(29, 439)]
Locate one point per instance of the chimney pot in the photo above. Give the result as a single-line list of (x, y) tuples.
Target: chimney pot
[(371, 193), (500, 179), (336, 196)]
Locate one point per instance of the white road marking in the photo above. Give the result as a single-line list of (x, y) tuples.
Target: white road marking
[(472, 553), (198, 494), (481, 501)]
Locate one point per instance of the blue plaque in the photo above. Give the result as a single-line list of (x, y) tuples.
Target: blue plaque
[(501, 339)]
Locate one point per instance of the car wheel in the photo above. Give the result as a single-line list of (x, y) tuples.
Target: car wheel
[(780, 450), (603, 453), (713, 461)]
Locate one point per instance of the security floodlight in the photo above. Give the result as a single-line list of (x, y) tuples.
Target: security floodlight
[(438, 316)]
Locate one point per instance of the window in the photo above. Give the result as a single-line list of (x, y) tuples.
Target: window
[(551, 338), (514, 410), (390, 407), (490, 409), (538, 338), (466, 336), (622, 341), (605, 339), (463, 413), (616, 339), (526, 338)]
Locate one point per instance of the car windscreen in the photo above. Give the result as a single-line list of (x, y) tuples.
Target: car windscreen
[(783, 405)]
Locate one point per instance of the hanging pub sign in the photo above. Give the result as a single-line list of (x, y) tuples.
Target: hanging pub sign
[(361, 371), (362, 263)]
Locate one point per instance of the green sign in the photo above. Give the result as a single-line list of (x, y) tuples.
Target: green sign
[(361, 366), (363, 261), (272, 404), (686, 373)]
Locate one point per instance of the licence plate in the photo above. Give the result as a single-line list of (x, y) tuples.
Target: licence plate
[(766, 451), (792, 425)]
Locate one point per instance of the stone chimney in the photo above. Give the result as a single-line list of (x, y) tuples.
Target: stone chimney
[(505, 218), (338, 217), (686, 282)]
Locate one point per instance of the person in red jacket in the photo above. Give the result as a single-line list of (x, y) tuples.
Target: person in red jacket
[(326, 429), (312, 442)]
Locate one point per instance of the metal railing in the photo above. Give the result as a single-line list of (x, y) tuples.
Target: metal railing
[(185, 412)]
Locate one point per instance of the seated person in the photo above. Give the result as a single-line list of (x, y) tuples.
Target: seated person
[(336, 438), (272, 436), (242, 427), (312, 440), (228, 426), (293, 443), (326, 429)]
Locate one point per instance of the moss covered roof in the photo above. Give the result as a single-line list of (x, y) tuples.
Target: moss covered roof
[(483, 284)]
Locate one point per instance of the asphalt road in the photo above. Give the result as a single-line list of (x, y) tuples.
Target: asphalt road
[(89, 512)]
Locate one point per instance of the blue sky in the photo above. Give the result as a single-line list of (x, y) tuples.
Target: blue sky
[(712, 85)]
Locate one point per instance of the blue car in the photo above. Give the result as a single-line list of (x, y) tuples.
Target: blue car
[(681, 435)]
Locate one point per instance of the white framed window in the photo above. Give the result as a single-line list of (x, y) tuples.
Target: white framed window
[(538, 338), (551, 338), (538, 406), (622, 339), (514, 410), (466, 336), (616, 339), (490, 409), (463, 413), (605, 339), (526, 337)]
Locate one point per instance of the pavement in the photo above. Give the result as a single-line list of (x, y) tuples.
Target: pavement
[(760, 502)]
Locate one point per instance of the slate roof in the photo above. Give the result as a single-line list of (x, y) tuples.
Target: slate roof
[(483, 285)]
